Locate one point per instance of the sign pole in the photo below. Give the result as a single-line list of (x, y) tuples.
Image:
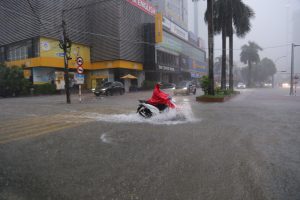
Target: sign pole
[(79, 61), (292, 72), (80, 93)]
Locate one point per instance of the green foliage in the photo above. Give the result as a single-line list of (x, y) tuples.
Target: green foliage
[(249, 53), (220, 92), (262, 72), (205, 84), (12, 81), (147, 85), (46, 88), (268, 66)]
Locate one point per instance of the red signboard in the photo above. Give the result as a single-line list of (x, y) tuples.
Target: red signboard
[(143, 5)]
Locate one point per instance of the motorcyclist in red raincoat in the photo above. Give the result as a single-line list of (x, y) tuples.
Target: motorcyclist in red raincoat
[(160, 99)]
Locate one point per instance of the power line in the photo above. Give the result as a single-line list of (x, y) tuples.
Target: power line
[(264, 48), (24, 15), (33, 11), (38, 18)]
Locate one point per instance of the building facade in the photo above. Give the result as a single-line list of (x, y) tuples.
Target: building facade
[(178, 57), (175, 10), (107, 35), (114, 38)]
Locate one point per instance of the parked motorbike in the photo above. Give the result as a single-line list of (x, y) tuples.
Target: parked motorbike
[(147, 110)]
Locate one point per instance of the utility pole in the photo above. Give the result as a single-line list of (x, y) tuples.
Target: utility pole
[(65, 44), (292, 70)]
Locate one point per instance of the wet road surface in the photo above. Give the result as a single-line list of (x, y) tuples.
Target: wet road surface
[(248, 148)]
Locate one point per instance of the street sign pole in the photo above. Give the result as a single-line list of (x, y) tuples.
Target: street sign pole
[(292, 72), (80, 70), (80, 93)]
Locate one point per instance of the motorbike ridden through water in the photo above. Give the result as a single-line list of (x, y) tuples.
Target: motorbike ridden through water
[(160, 102)]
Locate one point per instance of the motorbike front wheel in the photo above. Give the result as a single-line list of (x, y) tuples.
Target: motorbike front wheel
[(144, 112)]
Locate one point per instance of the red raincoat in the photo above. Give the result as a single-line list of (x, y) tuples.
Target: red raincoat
[(159, 97)]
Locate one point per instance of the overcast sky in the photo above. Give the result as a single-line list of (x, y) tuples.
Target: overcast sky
[(271, 27)]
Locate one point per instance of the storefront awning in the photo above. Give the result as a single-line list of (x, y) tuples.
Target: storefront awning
[(129, 76)]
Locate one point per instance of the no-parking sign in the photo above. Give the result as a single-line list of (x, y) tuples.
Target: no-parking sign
[(80, 70), (79, 61)]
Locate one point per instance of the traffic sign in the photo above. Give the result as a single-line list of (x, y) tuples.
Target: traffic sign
[(79, 79), (79, 61), (80, 70)]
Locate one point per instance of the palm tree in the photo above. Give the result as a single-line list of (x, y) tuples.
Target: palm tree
[(210, 28), (250, 55), (230, 15), (219, 26), (239, 17)]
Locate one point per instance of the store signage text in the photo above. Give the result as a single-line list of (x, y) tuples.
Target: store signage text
[(166, 68), (143, 5), (175, 29)]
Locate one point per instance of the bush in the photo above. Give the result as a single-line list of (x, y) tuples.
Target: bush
[(205, 84), (12, 81), (46, 88), (220, 92)]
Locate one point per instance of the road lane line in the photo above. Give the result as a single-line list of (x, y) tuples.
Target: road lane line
[(44, 132)]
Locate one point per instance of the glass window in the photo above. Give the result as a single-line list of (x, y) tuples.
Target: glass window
[(2, 54), (20, 51)]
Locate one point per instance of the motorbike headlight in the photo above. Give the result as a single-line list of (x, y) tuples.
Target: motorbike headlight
[(185, 88), (103, 89), (93, 89)]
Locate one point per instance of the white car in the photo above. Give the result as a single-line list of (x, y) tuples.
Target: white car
[(267, 84), (285, 85), (241, 86)]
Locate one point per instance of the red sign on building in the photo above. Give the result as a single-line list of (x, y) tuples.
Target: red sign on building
[(143, 5)]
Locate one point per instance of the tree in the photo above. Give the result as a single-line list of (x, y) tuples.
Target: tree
[(240, 15), (249, 55), (12, 81), (219, 26), (229, 14), (269, 67), (210, 28), (261, 72)]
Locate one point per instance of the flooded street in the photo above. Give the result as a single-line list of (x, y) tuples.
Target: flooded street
[(247, 148)]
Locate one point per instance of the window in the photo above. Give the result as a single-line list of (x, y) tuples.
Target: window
[(2, 54), (22, 50), (167, 59)]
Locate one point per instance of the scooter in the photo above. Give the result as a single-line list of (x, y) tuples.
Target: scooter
[(147, 110)]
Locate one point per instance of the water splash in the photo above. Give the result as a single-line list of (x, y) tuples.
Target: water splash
[(183, 114)]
